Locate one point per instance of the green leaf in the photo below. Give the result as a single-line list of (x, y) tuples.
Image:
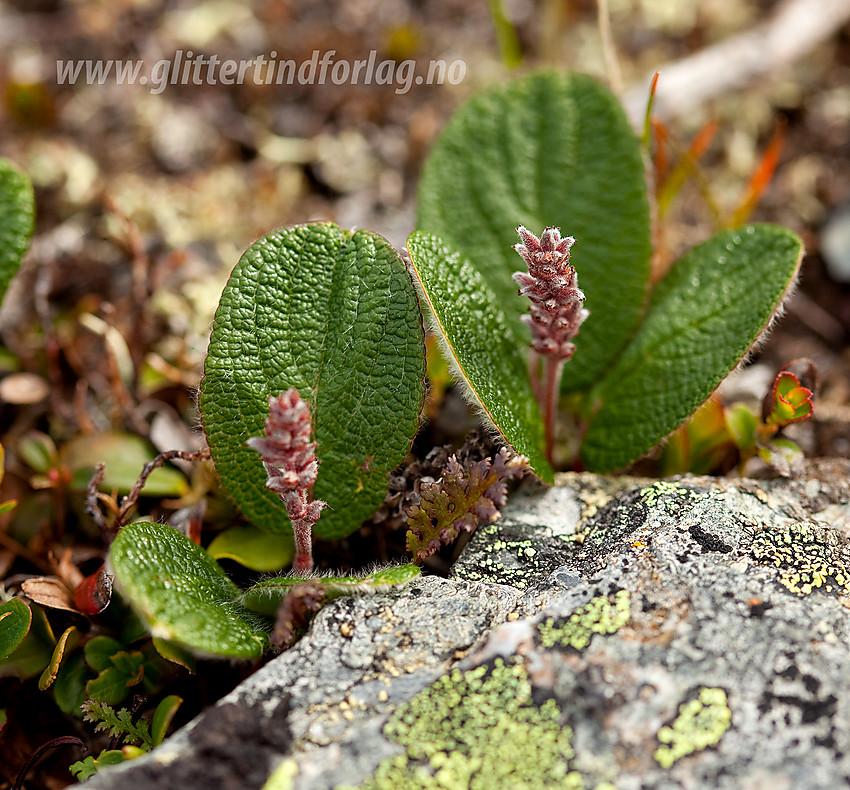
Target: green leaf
[(480, 345), (702, 319), (16, 221), (163, 716), (547, 150), (181, 592), (110, 687), (176, 654), (15, 619), (86, 769), (69, 639), (99, 651), (254, 548), (69, 690), (333, 314), (124, 455), (265, 596)]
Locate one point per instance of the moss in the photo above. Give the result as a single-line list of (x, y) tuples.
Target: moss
[(478, 729), (701, 723), (808, 557), (603, 615)]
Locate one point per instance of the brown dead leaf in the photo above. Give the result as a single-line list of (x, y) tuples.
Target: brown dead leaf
[(50, 592)]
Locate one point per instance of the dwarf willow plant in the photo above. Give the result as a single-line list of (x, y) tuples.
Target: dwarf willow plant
[(333, 315)]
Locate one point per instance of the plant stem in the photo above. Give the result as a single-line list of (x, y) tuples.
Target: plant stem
[(554, 368), (302, 532)]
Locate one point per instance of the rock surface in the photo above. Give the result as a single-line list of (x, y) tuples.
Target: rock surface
[(606, 633)]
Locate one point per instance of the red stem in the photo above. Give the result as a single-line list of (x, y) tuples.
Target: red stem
[(554, 368)]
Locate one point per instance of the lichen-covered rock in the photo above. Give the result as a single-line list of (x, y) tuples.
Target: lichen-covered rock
[(606, 633)]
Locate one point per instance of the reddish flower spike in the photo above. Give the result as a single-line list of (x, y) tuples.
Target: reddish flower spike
[(290, 460)]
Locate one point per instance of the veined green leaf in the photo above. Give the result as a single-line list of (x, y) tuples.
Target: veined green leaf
[(491, 366), (181, 592), (547, 150), (333, 314), (702, 319)]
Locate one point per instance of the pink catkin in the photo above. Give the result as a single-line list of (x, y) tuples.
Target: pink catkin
[(290, 460), (551, 284)]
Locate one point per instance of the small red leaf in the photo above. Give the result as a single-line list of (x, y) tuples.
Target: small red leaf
[(93, 593)]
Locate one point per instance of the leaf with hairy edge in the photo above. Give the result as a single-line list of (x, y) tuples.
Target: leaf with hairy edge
[(333, 314), (265, 596), (701, 320), (547, 150), (16, 221), (182, 594), (480, 345)]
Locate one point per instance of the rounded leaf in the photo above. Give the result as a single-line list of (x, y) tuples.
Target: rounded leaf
[(333, 314), (15, 619), (181, 593), (701, 320), (550, 149)]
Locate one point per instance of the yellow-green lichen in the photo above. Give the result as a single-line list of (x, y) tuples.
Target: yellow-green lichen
[(808, 557), (701, 723), (603, 615), (651, 494), (478, 729)]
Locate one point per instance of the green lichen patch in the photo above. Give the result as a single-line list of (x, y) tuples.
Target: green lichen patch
[(659, 490), (701, 723), (603, 615), (478, 729), (808, 557)]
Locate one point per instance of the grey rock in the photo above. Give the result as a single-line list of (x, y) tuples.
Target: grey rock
[(688, 633)]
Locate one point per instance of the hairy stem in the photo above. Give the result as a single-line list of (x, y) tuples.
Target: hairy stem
[(554, 369)]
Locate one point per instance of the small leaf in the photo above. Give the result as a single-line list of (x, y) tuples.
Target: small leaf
[(16, 221), (742, 425), (15, 619), (791, 402), (69, 690), (176, 654), (333, 314), (50, 592), (254, 548), (115, 682), (99, 651), (67, 641), (124, 456), (702, 319), (37, 450), (486, 358), (86, 769), (181, 592), (265, 596), (163, 716), (550, 149), (784, 455)]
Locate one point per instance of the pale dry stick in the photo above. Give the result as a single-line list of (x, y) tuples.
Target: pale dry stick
[(795, 29), (609, 49)]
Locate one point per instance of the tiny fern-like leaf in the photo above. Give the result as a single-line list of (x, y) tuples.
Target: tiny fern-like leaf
[(118, 724), (333, 314), (459, 500)]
